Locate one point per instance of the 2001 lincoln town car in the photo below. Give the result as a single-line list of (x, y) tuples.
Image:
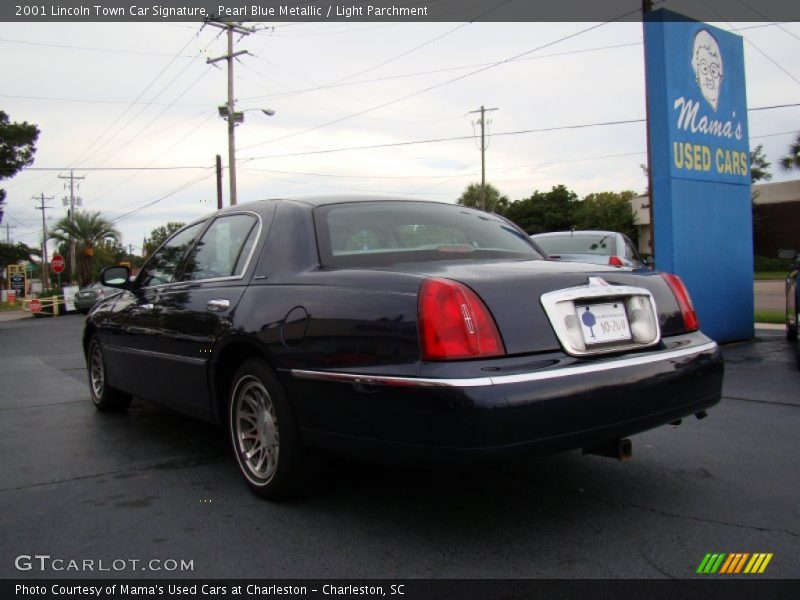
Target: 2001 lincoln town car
[(395, 329)]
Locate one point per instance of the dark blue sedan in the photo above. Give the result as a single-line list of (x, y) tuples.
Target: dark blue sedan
[(396, 330)]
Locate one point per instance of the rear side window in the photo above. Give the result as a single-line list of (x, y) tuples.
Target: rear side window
[(388, 233), (223, 250)]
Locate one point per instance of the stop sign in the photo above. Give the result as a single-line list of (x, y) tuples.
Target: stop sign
[(57, 263), (35, 306)]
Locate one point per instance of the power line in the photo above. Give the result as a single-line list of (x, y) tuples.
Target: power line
[(340, 176), (423, 44), (91, 48), (155, 158), (136, 100), (290, 93), (85, 153), (759, 50), (469, 137), (92, 100), (447, 139), (164, 197), (443, 83)]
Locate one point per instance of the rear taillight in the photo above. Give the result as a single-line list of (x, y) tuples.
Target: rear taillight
[(454, 323), (614, 261), (690, 320)]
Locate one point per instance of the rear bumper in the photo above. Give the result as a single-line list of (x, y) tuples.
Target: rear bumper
[(499, 415)]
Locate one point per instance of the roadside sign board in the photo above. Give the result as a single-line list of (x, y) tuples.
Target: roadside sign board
[(17, 279), (57, 263), (69, 296), (36, 306)]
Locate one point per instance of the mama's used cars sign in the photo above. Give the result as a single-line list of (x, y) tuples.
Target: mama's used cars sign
[(708, 128), (699, 156)]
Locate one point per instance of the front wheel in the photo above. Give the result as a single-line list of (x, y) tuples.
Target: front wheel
[(263, 432), (104, 397)]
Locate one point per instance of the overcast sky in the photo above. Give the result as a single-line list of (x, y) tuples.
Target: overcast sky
[(142, 95)]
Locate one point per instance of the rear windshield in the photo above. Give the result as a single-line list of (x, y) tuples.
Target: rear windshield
[(603, 244), (374, 234)]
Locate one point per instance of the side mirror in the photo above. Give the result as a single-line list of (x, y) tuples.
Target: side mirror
[(116, 276)]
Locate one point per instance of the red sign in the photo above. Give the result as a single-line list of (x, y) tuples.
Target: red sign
[(36, 306), (57, 263)]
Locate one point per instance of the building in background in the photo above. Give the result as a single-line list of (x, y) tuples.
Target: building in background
[(641, 218), (776, 217)]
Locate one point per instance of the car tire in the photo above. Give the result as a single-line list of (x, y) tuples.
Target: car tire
[(104, 397), (264, 434)]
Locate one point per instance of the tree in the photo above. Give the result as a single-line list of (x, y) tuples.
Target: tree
[(607, 211), (759, 165), (494, 201), (758, 172), (792, 159), (13, 253), (544, 211), (17, 147), (88, 229), (160, 234), (107, 253)]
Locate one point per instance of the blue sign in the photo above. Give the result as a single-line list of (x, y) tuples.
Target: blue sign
[(699, 156)]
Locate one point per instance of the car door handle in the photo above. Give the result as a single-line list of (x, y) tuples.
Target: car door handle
[(218, 305)]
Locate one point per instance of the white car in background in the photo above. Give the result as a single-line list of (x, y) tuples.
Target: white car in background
[(596, 247)]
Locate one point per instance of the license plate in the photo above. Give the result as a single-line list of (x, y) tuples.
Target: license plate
[(603, 323)]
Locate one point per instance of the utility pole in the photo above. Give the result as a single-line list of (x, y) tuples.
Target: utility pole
[(72, 199), (9, 227), (43, 207), (219, 182), (482, 122), (647, 6), (228, 111)]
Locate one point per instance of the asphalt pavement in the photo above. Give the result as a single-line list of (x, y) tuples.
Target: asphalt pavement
[(150, 484)]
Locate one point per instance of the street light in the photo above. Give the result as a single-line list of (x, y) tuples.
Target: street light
[(238, 117)]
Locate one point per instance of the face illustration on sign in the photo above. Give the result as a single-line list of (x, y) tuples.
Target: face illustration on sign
[(707, 64)]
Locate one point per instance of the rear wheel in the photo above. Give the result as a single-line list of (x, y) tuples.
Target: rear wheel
[(263, 432), (104, 397)]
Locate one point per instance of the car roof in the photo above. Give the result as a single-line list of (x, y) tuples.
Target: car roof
[(323, 200), (577, 232)]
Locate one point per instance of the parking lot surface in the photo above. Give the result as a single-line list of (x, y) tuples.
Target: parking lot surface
[(151, 484)]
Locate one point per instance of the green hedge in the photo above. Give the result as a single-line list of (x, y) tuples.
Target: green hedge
[(762, 263)]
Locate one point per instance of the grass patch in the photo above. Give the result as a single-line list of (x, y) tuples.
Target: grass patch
[(769, 275), (6, 306), (770, 316)]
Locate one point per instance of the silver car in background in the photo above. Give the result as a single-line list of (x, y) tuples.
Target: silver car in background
[(88, 296), (596, 247)]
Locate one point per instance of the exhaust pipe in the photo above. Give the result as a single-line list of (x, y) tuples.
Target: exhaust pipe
[(622, 449)]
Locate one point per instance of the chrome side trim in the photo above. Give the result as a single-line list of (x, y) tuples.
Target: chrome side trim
[(608, 365), (153, 354)]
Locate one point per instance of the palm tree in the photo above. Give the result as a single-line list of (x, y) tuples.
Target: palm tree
[(792, 160), (87, 229)]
